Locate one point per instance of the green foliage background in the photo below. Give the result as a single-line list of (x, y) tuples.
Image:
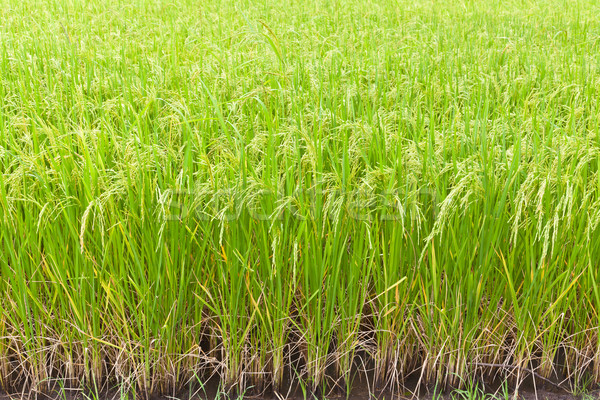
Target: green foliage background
[(191, 188)]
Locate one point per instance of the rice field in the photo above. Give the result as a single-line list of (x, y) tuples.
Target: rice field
[(309, 192)]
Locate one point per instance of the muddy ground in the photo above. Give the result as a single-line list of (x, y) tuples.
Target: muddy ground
[(361, 391)]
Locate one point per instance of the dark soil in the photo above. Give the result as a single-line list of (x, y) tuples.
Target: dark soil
[(359, 392)]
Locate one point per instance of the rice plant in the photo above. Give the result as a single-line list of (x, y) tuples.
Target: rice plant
[(289, 193)]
